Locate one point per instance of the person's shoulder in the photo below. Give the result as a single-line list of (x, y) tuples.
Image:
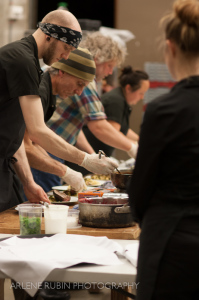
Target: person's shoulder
[(160, 100), (90, 90), (45, 83), (19, 52), (45, 78), (116, 92), (113, 97), (17, 46), (167, 104)]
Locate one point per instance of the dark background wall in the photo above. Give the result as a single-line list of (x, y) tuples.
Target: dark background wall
[(83, 9)]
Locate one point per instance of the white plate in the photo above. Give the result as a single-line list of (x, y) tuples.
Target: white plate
[(90, 188), (99, 182), (60, 187), (73, 200)]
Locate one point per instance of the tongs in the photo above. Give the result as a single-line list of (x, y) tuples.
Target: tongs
[(101, 152), (44, 203)]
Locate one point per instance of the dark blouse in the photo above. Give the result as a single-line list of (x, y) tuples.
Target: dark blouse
[(164, 189)]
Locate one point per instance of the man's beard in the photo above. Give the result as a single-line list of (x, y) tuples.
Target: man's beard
[(49, 54)]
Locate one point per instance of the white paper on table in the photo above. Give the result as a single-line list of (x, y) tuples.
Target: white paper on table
[(131, 252), (31, 260)]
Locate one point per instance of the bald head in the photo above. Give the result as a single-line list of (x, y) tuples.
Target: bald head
[(62, 18)]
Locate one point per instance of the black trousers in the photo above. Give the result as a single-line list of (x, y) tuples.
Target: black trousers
[(178, 276)]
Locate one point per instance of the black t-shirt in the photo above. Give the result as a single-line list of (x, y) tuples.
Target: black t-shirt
[(47, 98), (19, 76), (117, 110)]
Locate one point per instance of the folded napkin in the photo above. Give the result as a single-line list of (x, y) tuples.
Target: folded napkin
[(31, 260), (131, 252)]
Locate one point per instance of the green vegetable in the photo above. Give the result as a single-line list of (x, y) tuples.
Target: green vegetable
[(30, 225)]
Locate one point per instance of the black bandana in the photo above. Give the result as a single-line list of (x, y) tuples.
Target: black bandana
[(64, 34)]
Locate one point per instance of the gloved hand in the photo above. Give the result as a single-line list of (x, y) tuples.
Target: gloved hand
[(133, 151), (75, 179), (104, 165)]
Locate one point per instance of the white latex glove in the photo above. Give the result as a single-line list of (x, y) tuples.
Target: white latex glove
[(75, 179), (133, 151), (105, 165)]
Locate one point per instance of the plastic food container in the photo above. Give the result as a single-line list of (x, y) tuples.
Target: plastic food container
[(73, 218), (55, 219), (30, 218)]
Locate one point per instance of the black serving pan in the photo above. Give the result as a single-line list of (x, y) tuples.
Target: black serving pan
[(120, 180)]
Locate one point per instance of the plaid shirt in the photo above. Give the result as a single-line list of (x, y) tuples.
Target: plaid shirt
[(73, 112)]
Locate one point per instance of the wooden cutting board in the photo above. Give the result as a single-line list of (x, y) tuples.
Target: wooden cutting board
[(9, 223)]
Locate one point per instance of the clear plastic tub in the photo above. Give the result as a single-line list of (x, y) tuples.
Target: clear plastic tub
[(73, 218), (30, 216)]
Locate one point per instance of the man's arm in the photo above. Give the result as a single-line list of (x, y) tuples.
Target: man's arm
[(33, 192), (132, 135), (83, 144), (39, 159), (106, 133), (40, 134), (116, 125)]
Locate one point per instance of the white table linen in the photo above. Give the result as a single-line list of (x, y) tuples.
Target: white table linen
[(31, 260), (131, 252)]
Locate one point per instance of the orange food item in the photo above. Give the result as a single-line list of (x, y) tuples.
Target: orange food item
[(90, 194)]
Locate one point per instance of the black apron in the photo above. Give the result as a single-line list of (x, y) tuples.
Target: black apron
[(11, 190)]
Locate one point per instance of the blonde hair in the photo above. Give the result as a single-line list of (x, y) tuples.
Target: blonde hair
[(182, 26), (104, 48)]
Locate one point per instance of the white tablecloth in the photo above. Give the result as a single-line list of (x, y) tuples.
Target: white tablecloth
[(29, 261), (131, 252)]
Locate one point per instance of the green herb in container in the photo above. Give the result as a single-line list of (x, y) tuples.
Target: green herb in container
[(30, 225), (30, 216)]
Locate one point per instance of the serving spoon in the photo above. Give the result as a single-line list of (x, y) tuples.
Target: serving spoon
[(101, 152)]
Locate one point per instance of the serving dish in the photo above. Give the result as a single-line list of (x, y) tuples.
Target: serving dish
[(120, 180), (61, 187), (73, 200)]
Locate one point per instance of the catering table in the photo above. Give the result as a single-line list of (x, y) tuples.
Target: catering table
[(9, 223)]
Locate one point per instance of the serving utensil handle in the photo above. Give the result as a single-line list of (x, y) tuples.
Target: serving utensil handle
[(101, 152)]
